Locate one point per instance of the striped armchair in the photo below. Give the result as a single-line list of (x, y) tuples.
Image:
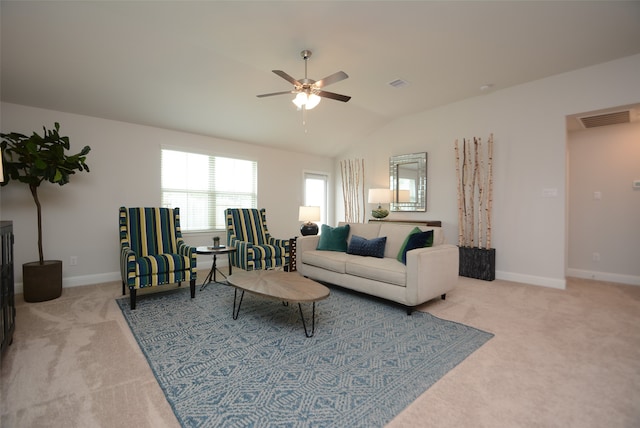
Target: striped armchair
[(256, 248), (152, 251)]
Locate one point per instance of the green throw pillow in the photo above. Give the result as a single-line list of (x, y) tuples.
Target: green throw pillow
[(333, 238), (413, 243)]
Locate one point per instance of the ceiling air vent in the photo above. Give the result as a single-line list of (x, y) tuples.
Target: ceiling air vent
[(399, 83), (606, 119)]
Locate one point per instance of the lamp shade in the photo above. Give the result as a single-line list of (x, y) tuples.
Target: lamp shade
[(300, 99), (309, 214), (308, 101), (380, 196), (312, 101)]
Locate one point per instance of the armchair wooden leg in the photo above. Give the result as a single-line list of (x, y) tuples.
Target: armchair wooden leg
[(192, 285), (123, 292), (132, 297)]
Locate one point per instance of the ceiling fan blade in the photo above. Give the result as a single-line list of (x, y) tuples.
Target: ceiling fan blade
[(286, 77), (325, 94), (335, 77), (274, 93)]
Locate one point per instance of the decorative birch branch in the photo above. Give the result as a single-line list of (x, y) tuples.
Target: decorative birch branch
[(460, 192), (352, 172), (489, 187), (475, 192)]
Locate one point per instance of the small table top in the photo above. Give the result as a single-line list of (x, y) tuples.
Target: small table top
[(223, 249), (286, 286)]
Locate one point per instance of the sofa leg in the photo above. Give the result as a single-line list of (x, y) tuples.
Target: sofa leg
[(132, 298), (444, 296), (123, 292), (409, 310), (192, 285)]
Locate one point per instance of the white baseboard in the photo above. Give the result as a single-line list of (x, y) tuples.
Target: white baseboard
[(604, 276), (101, 278), (542, 281)]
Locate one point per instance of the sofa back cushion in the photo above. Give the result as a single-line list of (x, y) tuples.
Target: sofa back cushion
[(396, 233), (364, 230)]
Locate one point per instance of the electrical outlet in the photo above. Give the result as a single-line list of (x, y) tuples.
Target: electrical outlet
[(73, 260)]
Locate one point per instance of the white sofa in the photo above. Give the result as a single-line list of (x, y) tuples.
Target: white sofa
[(429, 273)]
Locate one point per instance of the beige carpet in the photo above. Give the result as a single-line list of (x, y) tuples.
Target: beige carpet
[(559, 358)]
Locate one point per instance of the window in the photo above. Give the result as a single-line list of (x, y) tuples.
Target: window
[(203, 186), (315, 193)]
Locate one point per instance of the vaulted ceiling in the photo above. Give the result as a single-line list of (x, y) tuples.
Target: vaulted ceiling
[(198, 66)]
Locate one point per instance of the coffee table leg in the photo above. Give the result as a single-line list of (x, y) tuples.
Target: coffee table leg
[(236, 311), (313, 320)]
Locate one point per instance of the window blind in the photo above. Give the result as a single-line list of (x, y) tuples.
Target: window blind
[(203, 186)]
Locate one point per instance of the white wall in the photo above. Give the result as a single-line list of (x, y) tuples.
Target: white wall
[(528, 123), (605, 160), (81, 218)]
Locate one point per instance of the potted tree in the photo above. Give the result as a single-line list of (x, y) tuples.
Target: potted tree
[(475, 199), (33, 160)]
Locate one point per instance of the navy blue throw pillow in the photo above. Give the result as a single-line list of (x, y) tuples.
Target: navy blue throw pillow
[(415, 240), (367, 247)]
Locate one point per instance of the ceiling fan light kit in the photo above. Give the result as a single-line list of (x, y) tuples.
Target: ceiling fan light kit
[(308, 91)]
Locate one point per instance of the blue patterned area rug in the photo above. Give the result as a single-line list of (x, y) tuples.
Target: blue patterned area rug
[(367, 361)]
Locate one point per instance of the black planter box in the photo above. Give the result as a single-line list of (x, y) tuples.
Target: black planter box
[(478, 263)]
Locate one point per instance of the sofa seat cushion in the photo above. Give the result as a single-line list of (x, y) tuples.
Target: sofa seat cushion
[(329, 260), (387, 270)]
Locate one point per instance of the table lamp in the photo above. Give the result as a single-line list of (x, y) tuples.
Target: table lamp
[(379, 196), (308, 215)]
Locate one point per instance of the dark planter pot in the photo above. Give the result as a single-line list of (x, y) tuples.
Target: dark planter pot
[(478, 263), (42, 282)]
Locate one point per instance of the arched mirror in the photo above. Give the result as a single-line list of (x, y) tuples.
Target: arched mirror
[(408, 176)]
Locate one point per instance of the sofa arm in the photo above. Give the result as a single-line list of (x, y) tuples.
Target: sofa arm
[(431, 272), (306, 243)]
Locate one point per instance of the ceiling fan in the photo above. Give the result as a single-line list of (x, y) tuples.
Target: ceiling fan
[(308, 91)]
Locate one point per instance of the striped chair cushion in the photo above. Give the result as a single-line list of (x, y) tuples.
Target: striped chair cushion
[(161, 263), (247, 224), (153, 231)]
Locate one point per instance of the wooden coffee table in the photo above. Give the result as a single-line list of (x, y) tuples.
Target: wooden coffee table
[(288, 287)]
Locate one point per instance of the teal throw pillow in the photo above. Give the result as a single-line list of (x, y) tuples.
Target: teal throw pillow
[(415, 239), (360, 246), (333, 238), (403, 248)]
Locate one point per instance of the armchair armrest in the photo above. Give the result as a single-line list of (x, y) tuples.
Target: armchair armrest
[(279, 242), (190, 252), (127, 265)]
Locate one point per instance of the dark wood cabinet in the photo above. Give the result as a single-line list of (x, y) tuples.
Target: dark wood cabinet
[(7, 300)]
